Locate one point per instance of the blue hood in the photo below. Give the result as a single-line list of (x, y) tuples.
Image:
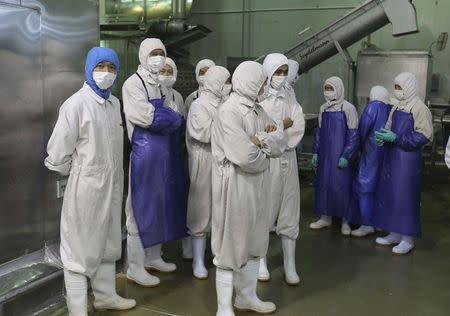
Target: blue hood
[(95, 56)]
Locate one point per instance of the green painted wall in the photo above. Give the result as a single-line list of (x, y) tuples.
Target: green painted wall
[(260, 33)]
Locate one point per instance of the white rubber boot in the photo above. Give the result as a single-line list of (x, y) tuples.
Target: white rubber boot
[(405, 246), (154, 261), (245, 282), (345, 228), (188, 253), (291, 275), (389, 240), (136, 271), (104, 287), (224, 289), (76, 293), (198, 265), (323, 223), (263, 273), (363, 231)]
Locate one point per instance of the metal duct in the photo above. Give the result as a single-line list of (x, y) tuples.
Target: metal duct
[(352, 27), (159, 9)]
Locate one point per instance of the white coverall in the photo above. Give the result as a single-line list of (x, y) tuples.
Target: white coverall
[(198, 142), (173, 99), (139, 111), (86, 145), (194, 95), (284, 193), (240, 178), (240, 172), (292, 78)]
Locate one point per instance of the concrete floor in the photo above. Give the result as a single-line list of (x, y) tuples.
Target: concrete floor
[(339, 276)]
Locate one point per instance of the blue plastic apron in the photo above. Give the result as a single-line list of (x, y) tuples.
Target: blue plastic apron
[(397, 199), (159, 181)]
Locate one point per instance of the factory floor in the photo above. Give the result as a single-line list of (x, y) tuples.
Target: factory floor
[(339, 276)]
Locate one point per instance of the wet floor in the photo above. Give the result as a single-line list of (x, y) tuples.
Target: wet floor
[(339, 276)]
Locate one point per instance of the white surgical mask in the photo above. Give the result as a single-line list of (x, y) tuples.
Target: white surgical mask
[(155, 63), (330, 95), (277, 82), (226, 90), (166, 81), (103, 79), (265, 95), (201, 80), (399, 94)]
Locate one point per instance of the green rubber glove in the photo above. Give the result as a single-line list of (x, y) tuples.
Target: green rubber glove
[(386, 135), (343, 163), (315, 160), (379, 141)]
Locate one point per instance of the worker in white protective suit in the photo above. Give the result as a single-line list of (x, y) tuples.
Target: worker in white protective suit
[(86, 145), (292, 78), (137, 90), (200, 71), (242, 140), (167, 78), (174, 100), (284, 192), (198, 141)]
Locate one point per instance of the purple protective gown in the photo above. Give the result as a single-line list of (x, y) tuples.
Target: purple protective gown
[(159, 180), (397, 198), (334, 140)]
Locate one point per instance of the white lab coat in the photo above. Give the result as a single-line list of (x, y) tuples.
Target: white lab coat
[(87, 145), (138, 110), (285, 186), (284, 190), (198, 142), (240, 172), (174, 100), (196, 94)]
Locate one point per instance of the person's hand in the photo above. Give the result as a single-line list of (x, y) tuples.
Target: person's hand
[(343, 163), (379, 141), (386, 135), (315, 160), (270, 128), (287, 122), (255, 140)]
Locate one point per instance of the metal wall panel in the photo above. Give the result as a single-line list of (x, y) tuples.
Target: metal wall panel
[(43, 46), (381, 68)]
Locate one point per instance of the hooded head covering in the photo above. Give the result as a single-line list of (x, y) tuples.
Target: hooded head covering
[(215, 79), (171, 63), (271, 63), (410, 87), (147, 46), (339, 90), (248, 79), (379, 93), (95, 56), (292, 73), (202, 64)]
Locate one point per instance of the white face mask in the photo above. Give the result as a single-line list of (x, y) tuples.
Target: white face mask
[(265, 95), (103, 79), (277, 82), (166, 81), (201, 80), (399, 94), (226, 90), (155, 63), (330, 95)]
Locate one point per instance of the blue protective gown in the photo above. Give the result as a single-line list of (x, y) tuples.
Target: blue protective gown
[(397, 198), (373, 119), (334, 140), (159, 180)]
